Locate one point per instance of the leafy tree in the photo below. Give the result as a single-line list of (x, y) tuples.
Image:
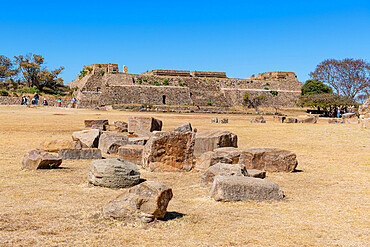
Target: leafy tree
[(315, 87), (327, 102), (36, 75), (7, 68), (348, 77), (253, 102)]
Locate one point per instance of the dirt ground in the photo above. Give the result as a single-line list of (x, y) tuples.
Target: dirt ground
[(326, 204)]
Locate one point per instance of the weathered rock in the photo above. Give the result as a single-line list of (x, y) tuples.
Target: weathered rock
[(291, 120), (144, 125), (185, 127), (335, 120), (349, 115), (258, 119), (131, 153), (109, 143), (113, 173), (147, 201), (76, 154), (221, 169), (238, 188), (208, 140), (100, 123), (279, 119), (365, 123), (310, 119), (352, 120), (169, 151), (270, 159), (227, 155), (254, 173), (38, 159), (214, 120), (141, 140), (56, 145), (223, 121), (121, 126), (364, 109), (87, 138)]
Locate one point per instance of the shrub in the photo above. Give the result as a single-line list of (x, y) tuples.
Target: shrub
[(106, 84), (267, 84), (181, 84), (102, 72), (113, 72), (209, 103), (165, 82), (3, 92), (266, 88), (145, 79), (139, 80), (274, 92), (89, 69)]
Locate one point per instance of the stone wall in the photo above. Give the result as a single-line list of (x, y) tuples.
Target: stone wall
[(161, 72), (208, 74), (6, 100), (277, 75)]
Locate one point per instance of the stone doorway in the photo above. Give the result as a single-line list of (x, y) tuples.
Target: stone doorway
[(164, 99)]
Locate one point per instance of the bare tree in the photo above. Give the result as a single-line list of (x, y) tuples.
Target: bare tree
[(348, 77), (7, 69)]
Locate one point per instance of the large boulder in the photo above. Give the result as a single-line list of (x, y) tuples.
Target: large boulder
[(77, 154), (131, 153), (335, 120), (239, 188), (254, 173), (270, 159), (144, 125), (223, 170), (113, 173), (99, 123), (365, 123), (310, 119), (147, 201), (121, 126), (56, 145), (109, 143), (227, 155), (258, 119), (291, 120), (208, 140), (185, 127), (349, 115), (141, 140), (87, 138), (169, 151), (38, 159), (364, 109)]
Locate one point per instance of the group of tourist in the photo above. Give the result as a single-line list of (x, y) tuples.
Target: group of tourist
[(344, 109), (36, 97)]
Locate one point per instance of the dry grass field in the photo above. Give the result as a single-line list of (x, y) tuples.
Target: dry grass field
[(326, 204)]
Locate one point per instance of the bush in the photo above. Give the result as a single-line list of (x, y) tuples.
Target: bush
[(181, 84), (89, 69), (315, 87), (274, 92), (102, 72), (139, 80), (165, 82), (145, 79), (3, 92), (209, 103)]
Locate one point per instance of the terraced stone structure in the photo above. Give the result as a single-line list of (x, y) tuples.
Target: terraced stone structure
[(102, 84)]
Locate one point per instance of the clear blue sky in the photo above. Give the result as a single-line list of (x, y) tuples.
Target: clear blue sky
[(238, 37)]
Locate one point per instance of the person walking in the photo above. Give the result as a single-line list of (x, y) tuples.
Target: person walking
[(74, 101), (59, 102), (24, 100), (36, 97), (44, 102)]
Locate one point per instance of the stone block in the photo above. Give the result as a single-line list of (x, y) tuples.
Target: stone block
[(109, 143), (214, 120), (185, 127), (169, 151), (56, 145), (113, 173), (38, 159), (87, 138), (239, 188), (131, 153), (146, 201), (221, 169), (144, 125), (224, 121), (208, 140), (310, 119), (76, 154), (101, 123), (141, 140), (352, 120), (365, 123), (291, 120), (254, 173), (258, 119), (121, 126)]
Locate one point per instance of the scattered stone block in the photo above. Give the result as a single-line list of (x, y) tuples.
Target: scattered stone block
[(87, 138), (109, 143), (254, 173), (349, 115), (77, 154), (352, 120), (310, 119), (214, 120), (113, 173), (365, 123), (144, 125), (335, 120), (239, 188), (185, 127), (224, 121), (121, 126), (279, 119), (291, 120), (38, 159), (146, 201), (131, 153), (270, 159), (208, 140), (227, 155), (221, 169), (56, 145), (141, 140), (103, 124), (258, 119), (169, 151)]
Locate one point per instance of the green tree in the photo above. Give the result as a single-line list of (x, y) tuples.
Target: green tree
[(36, 75), (315, 87), (7, 68), (253, 102)]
